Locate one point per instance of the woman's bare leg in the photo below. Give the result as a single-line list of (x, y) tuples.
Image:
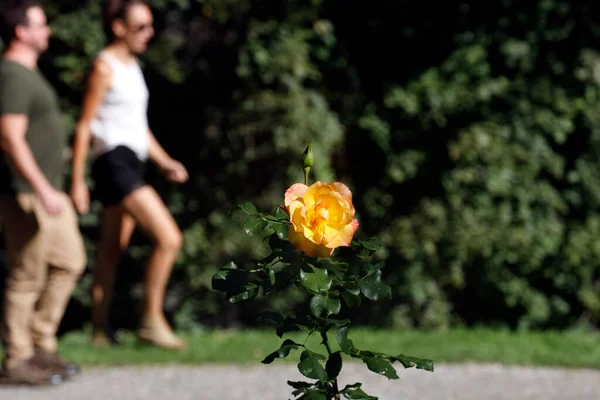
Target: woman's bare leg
[(153, 217), (115, 235)]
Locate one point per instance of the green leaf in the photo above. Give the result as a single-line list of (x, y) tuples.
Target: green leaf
[(334, 365), (381, 366), (283, 351), (299, 384), (318, 280), (229, 278), (352, 287), (352, 300), (373, 243), (254, 225), (250, 291), (288, 325), (271, 317), (245, 206), (362, 252), (356, 393), (281, 244), (372, 268), (272, 277), (366, 248), (372, 287), (320, 304), (281, 214), (269, 260), (352, 386), (304, 321), (419, 363), (281, 228), (308, 390), (337, 267), (230, 266), (345, 344), (329, 322), (314, 395), (310, 366)]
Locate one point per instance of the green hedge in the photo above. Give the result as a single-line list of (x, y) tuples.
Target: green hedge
[(469, 134)]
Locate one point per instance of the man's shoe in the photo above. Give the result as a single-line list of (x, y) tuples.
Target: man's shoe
[(53, 362), (30, 373)]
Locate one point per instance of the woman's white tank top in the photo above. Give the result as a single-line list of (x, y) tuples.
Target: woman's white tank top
[(121, 118)]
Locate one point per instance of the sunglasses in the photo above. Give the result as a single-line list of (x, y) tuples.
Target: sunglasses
[(37, 26), (141, 28)]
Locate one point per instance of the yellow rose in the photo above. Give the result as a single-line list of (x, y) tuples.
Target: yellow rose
[(322, 217)]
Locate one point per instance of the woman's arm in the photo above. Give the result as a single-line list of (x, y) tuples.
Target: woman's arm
[(98, 83), (173, 169), (156, 153)]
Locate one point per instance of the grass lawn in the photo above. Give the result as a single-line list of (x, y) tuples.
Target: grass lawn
[(575, 349)]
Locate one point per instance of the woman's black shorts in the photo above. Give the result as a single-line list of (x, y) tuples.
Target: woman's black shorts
[(116, 173)]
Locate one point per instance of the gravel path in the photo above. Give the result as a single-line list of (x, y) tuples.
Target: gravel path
[(448, 382)]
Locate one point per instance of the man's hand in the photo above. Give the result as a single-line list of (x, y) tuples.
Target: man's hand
[(175, 171), (52, 200), (80, 195)]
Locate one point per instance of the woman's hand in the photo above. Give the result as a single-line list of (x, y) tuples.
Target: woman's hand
[(80, 196), (174, 171)]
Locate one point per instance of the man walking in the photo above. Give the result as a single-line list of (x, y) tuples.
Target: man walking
[(45, 250)]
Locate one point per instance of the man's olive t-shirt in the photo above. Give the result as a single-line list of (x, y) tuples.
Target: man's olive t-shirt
[(26, 91)]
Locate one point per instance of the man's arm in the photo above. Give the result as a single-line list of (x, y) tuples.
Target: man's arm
[(15, 102), (13, 128), (12, 140)]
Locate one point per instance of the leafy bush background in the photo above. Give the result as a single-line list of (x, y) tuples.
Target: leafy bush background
[(468, 132)]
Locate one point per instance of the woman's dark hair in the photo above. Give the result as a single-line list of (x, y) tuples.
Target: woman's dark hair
[(12, 14), (116, 9)]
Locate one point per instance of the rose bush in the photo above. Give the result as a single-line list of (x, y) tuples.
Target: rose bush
[(322, 217), (316, 220)]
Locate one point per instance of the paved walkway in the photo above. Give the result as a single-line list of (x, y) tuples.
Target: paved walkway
[(262, 382)]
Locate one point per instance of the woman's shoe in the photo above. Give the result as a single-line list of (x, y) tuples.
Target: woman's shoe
[(157, 332)]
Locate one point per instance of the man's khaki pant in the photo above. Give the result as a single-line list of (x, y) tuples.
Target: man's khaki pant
[(46, 257)]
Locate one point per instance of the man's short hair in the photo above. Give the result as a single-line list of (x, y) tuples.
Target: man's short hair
[(12, 14)]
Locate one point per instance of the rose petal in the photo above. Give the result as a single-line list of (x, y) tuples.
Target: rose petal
[(322, 217), (343, 190), (299, 241), (296, 215), (329, 234), (314, 234), (293, 192), (346, 195), (344, 236), (321, 251), (314, 191)]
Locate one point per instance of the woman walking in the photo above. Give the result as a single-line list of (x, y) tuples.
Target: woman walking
[(113, 126)]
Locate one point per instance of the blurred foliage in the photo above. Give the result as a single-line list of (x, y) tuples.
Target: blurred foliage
[(490, 155), (469, 135)]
